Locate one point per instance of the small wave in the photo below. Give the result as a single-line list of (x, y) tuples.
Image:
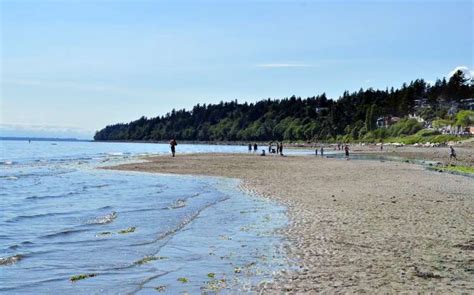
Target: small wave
[(10, 259), (22, 217), (94, 186), (6, 162), (51, 196), (64, 233), (16, 246), (104, 219), (188, 219), (115, 154), (11, 178)]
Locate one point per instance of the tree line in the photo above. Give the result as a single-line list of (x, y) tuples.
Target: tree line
[(316, 118)]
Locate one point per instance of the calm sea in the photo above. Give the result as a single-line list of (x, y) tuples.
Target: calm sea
[(132, 232)]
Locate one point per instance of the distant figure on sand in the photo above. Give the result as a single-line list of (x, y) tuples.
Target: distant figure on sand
[(255, 147), (452, 153), (322, 151), (346, 148), (173, 145), (381, 146), (250, 147), (278, 147), (316, 151), (281, 148), (270, 147)]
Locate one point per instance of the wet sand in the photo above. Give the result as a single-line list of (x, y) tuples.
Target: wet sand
[(465, 153), (356, 226)]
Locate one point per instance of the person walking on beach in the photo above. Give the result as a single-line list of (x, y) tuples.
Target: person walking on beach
[(452, 153), (255, 147), (346, 148), (281, 148), (173, 145)]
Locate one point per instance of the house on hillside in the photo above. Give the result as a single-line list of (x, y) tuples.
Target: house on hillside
[(321, 109), (386, 121), (467, 104)]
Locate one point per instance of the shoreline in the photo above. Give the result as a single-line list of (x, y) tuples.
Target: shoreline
[(355, 226)]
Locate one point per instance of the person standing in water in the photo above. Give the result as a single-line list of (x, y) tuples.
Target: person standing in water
[(281, 148), (278, 147), (346, 148), (250, 147), (322, 151), (173, 145), (255, 147)]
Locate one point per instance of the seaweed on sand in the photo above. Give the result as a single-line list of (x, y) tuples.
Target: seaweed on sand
[(103, 234), (10, 260), (82, 277), (214, 285), (127, 230), (147, 259)]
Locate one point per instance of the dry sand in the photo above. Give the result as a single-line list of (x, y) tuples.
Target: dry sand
[(356, 226)]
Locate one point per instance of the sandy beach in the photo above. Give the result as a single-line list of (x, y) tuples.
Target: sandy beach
[(355, 226)]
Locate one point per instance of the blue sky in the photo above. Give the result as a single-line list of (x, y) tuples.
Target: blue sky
[(80, 65)]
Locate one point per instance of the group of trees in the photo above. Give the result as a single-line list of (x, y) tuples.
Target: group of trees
[(353, 115)]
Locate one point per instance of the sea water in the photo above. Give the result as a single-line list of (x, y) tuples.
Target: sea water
[(128, 232)]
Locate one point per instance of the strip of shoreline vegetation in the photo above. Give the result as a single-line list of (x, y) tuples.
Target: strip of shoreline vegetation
[(365, 115), (458, 169)]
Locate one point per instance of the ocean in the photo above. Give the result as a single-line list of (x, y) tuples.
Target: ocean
[(68, 227)]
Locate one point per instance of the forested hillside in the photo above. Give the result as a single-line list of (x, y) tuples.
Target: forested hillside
[(353, 115)]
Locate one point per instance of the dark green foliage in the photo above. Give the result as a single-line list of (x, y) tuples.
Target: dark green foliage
[(352, 117)]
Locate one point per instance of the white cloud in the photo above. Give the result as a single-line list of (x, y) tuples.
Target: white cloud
[(468, 73), (285, 65)]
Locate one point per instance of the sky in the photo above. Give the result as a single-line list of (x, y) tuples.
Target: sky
[(72, 67)]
